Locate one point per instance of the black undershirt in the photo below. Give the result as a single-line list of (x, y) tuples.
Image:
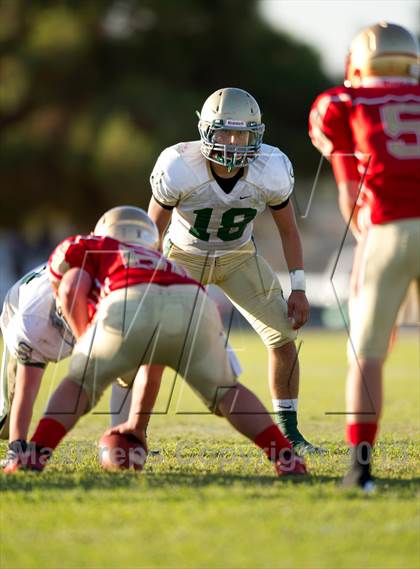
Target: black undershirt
[(227, 184)]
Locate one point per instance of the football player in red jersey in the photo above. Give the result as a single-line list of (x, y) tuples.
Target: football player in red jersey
[(150, 312), (370, 131)]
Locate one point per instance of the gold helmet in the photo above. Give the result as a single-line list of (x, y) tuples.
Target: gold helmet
[(382, 50), (233, 110), (130, 225)]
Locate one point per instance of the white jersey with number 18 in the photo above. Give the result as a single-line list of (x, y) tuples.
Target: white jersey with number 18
[(206, 220)]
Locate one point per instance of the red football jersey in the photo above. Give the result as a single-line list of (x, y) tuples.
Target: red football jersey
[(113, 264), (374, 135)]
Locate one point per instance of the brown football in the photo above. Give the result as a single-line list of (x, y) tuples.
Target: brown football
[(120, 452)]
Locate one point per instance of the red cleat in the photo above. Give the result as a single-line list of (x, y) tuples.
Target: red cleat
[(290, 464)]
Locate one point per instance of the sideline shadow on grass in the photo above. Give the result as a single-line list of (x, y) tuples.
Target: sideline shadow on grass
[(98, 480), (94, 480)]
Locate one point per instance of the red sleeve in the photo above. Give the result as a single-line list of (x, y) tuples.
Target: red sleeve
[(330, 132), (70, 253)]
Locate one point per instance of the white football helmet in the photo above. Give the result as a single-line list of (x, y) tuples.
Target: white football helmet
[(128, 224), (382, 50), (233, 110)]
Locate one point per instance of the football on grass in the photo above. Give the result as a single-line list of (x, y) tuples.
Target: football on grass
[(120, 452)]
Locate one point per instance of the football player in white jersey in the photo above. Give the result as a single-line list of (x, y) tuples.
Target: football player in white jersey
[(34, 334), (209, 191)]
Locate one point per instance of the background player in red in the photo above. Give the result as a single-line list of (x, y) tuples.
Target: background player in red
[(150, 312), (370, 130)]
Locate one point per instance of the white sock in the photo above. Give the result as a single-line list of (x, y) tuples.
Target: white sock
[(119, 405), (285, 404)]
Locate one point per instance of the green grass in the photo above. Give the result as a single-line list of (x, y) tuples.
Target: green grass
[(210, 500)]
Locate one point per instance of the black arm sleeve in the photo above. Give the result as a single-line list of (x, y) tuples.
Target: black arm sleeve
[(281, 205), (168, 207), (33, 364)]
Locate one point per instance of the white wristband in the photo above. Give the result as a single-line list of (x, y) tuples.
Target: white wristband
[(297, 280)]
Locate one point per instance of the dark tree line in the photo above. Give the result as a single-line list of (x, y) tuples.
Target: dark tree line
[(92, 90)]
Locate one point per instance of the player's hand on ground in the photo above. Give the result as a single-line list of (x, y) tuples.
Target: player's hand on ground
[(298, 308), (127, 429)]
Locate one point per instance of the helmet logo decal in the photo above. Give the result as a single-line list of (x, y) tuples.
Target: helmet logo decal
[(230, 122)]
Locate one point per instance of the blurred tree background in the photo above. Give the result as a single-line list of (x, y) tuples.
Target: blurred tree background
[(91, 91)]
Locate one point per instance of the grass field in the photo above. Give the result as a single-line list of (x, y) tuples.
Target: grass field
[(210, 501)]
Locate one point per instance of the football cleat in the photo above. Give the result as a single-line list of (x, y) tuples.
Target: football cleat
[(305, 447), (288, 424), (290, 464), (24, 456), (359, 474), (15, 450)]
